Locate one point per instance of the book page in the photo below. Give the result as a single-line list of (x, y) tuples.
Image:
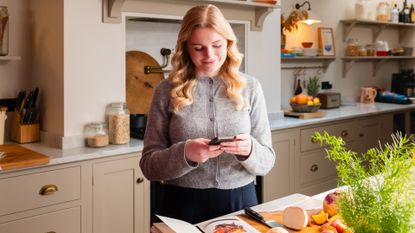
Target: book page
[(179, 225)]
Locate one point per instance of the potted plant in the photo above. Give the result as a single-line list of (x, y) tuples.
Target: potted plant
[(379, 193), (313, 86)]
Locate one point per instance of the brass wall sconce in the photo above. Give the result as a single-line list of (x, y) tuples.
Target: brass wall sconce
[(312, 18)]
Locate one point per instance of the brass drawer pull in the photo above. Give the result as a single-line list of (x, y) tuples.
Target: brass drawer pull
[(361, 135), (140, 180), (51, 232), (344, 133), (314, 168), (48, 189)]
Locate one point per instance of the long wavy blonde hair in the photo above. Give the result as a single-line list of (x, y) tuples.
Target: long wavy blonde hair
[(183, 75)]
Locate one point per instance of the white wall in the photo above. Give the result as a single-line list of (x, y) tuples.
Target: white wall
[(331, 12)]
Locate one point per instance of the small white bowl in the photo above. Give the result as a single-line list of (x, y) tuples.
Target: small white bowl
[(310, 52)]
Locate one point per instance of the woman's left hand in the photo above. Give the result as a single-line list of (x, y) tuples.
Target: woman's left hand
[(240, 146)]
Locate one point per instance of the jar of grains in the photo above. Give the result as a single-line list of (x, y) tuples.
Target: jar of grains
[(119, 123), (96, 134)]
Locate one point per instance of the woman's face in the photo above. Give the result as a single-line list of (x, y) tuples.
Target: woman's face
[(208, 51)]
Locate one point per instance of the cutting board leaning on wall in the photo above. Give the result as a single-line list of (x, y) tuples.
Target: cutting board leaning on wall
[(140, 86)]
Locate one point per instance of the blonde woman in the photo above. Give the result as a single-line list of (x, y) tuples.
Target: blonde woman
[(206, 97)]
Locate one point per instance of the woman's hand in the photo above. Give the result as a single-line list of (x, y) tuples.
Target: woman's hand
[(198, 150), (240, 146)]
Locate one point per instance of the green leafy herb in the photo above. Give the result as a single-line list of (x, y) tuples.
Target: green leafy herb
[(380, 193), (313, 86)]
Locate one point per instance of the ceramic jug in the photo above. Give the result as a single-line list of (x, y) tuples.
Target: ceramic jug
[(368, 95)]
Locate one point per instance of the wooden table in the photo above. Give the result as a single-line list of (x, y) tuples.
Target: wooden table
[(307, 202)]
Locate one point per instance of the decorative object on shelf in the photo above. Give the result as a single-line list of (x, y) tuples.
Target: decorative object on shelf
[(380, 194), (326, 41), (307, 44), (364, 10), (4, 31)]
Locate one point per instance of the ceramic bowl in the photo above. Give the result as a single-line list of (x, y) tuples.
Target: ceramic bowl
[(310, 52), (307, 44), (305, 107)]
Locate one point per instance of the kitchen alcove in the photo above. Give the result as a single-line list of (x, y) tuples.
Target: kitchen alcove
[(246, 10)]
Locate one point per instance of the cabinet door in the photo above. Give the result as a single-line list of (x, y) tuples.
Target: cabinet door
[(278, 182), (372, 131), (120, 197)]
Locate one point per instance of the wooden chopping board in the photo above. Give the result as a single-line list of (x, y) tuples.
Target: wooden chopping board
[(304, 115), (18, 157), (140, 86), (277, 216)]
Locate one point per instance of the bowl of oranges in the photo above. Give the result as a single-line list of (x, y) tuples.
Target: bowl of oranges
[(305, 103)]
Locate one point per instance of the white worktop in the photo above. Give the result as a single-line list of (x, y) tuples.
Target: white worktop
[(60, 156)]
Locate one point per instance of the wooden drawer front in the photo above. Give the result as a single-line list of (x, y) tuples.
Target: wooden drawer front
[(22, 193), (347, 131), (314, 167), (63, 221)]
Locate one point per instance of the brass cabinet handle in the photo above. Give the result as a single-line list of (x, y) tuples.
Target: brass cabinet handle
[(314, 168), (51, 232), (48, 189), (140, 180), (344, 133), (361, 135)]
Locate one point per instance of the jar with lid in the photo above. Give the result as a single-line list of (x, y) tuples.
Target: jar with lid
[(383, 11), (4, 31), (362, 51), (352, 48), (119, 123), (96, 134), (370, 49)]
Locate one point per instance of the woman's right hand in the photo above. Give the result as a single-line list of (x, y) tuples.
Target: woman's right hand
[(198, 150)]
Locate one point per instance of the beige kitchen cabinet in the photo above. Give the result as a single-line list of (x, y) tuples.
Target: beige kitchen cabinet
[(121, 197), (279, 181), (99, 195), (372, 131), (301, 165)]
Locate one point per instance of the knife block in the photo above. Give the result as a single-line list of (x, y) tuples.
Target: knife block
[(24, 133)]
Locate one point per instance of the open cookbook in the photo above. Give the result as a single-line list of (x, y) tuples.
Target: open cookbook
[(231, 224)]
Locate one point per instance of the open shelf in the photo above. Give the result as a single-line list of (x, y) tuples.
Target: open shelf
[(377, 27), (9, 58), (324, 62), (348, 61), (112, 9)]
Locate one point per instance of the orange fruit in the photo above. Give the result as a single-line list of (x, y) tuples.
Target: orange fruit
[(328, 227), (293, 100), (301, 99), (320, 218)]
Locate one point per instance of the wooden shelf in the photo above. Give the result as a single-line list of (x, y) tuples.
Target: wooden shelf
[(323, 60), (348, 61), (9, 58), (112, 9), (377, 27)]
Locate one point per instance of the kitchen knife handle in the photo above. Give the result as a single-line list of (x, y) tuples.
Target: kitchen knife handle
[(252, 213)]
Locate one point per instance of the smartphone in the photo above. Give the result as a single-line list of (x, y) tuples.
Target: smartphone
[(217, 141)]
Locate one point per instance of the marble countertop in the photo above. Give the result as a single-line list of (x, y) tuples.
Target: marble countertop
[(60, 156), (344, 112)]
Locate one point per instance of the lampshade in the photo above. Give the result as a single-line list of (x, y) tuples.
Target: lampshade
[(312, 17)]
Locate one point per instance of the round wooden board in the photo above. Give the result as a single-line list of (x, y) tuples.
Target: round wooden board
[(140, 86)]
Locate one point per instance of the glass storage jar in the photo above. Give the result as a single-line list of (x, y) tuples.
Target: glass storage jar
[(4, 31), (119, 123), (96, 134), (383, 11), (352, 48)]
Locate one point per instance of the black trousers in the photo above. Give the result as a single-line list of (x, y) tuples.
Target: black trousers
[(198, 205)]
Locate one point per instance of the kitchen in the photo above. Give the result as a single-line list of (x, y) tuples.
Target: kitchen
[(78, 63)]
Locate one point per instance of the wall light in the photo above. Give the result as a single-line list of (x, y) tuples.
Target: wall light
[(312, 18)]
